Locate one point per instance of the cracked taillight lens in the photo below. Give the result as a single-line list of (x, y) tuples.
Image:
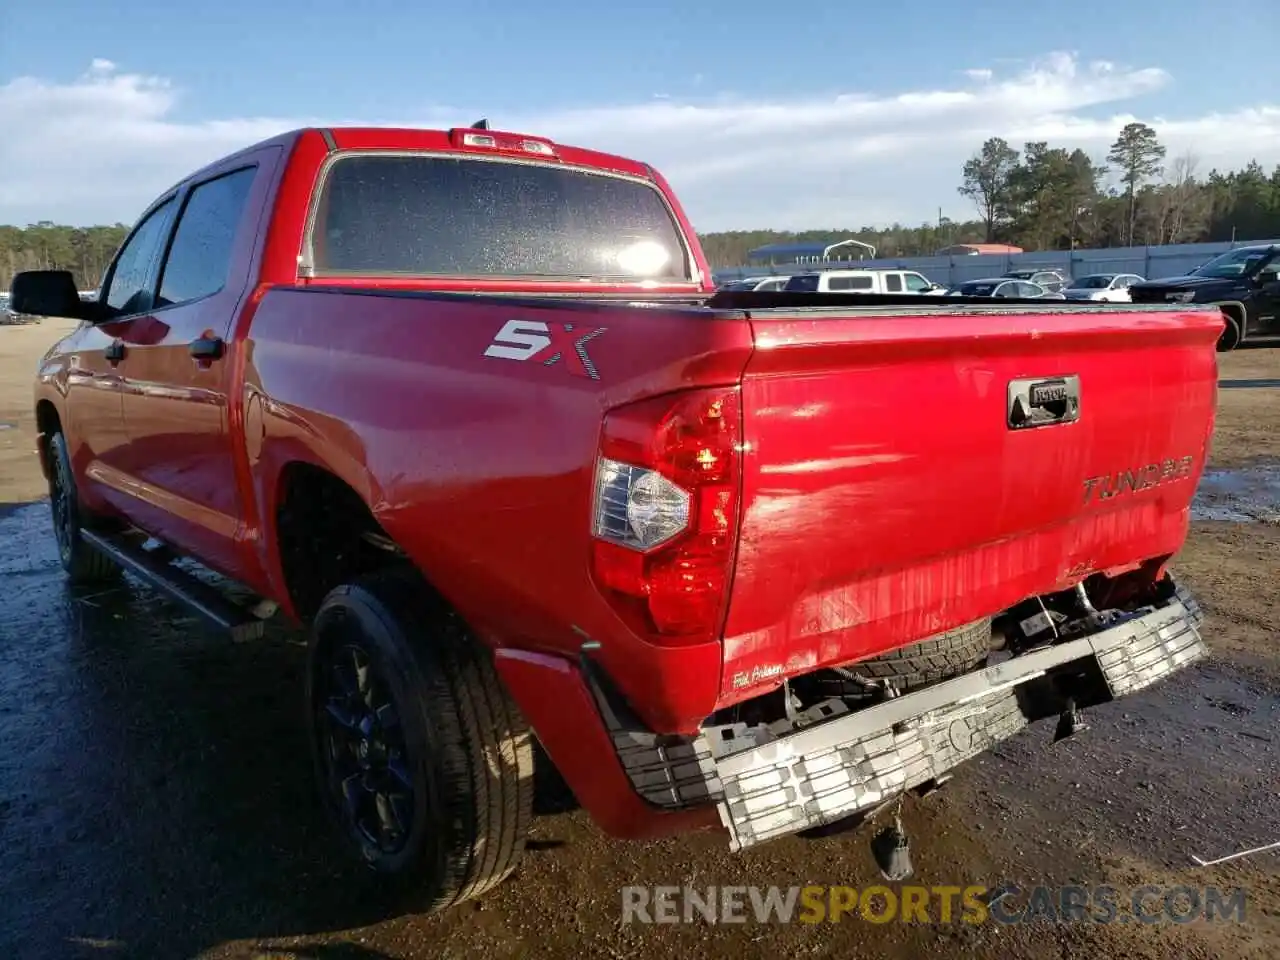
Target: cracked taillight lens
[(664, 512)]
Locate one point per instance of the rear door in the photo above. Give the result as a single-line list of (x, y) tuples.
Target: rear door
[(893, 489), (178, 370)]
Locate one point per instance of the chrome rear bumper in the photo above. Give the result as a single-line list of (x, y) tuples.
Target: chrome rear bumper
[(832, 763)]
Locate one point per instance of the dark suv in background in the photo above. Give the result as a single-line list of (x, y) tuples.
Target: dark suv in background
[(1244, 282)]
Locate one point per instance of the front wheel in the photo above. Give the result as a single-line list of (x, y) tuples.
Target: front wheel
[(422, 759), (1230, 338), (82, 563)]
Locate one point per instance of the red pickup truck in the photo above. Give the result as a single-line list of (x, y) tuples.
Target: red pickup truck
[(465, 404)]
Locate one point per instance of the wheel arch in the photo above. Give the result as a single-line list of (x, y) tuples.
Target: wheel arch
[(323, 532), (1237, 311), (48, 422)]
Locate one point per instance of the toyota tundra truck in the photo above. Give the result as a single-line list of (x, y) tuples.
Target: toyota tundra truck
[(465, 406)]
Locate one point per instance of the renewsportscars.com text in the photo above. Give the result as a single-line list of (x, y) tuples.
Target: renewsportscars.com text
[(973, 904)]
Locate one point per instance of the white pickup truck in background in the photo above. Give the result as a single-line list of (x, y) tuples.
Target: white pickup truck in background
[(864, 281)]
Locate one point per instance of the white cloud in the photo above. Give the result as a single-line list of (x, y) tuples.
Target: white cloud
[(99, 148)]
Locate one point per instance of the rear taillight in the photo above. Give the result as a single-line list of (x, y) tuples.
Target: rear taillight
[(664, 512)]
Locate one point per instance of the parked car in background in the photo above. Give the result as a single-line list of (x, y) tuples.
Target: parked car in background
[(1244, 283), (1003, 287), (1055, 281), (755, 284), (1108, 287), (9, 316), (863, 281)]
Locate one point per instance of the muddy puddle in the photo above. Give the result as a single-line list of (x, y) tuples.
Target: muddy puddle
[(1239, 495)]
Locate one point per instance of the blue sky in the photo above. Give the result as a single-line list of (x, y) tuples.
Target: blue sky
[(185, 78)]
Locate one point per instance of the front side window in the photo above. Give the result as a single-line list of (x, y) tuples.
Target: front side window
[(129, 289), (200, 254), (917, 283), (427, 215), (1234, 263)]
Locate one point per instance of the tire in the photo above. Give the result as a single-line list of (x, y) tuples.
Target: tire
[(456, 774), (915, 666), (82, 563), (1230, 338)]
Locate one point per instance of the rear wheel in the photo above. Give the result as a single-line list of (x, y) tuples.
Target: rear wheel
[(82, 563), (422, 759), (917, 665)]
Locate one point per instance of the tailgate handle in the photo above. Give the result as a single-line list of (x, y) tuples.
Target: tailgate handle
[(1043, 401)]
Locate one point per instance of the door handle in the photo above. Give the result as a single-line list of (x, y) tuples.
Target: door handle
[(206, 348), (1043, 402), (114, 352)]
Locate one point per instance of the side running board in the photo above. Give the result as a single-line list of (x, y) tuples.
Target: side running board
[(156, 569)]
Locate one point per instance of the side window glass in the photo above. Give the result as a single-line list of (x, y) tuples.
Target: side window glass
[(200, 255), (916, 283), (893, 282), (129, 290)]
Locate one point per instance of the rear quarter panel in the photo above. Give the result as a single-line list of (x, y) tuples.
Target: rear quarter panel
[(480, 468)]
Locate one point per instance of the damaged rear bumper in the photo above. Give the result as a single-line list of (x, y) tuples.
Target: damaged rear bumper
[(830, 763)]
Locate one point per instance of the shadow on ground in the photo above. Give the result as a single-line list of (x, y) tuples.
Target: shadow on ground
[(155, 781)]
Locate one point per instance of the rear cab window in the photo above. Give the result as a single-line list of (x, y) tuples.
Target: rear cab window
[(442, 215)]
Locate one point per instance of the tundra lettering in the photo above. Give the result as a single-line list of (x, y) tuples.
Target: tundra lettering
[(1133, 481)]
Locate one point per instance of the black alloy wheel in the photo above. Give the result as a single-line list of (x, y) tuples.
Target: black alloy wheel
[(367, 766)]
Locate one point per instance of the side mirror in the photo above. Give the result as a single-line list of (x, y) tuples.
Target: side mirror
[(46, 293)]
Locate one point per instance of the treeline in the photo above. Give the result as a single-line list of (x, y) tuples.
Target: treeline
[(1039, 198), (1050, 198), (1043, 197), (85, 251)]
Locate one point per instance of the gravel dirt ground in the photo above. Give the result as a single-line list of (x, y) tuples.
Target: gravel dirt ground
[(155, 798)]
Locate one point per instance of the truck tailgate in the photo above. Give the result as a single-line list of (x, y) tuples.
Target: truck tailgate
[(892, 489)]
